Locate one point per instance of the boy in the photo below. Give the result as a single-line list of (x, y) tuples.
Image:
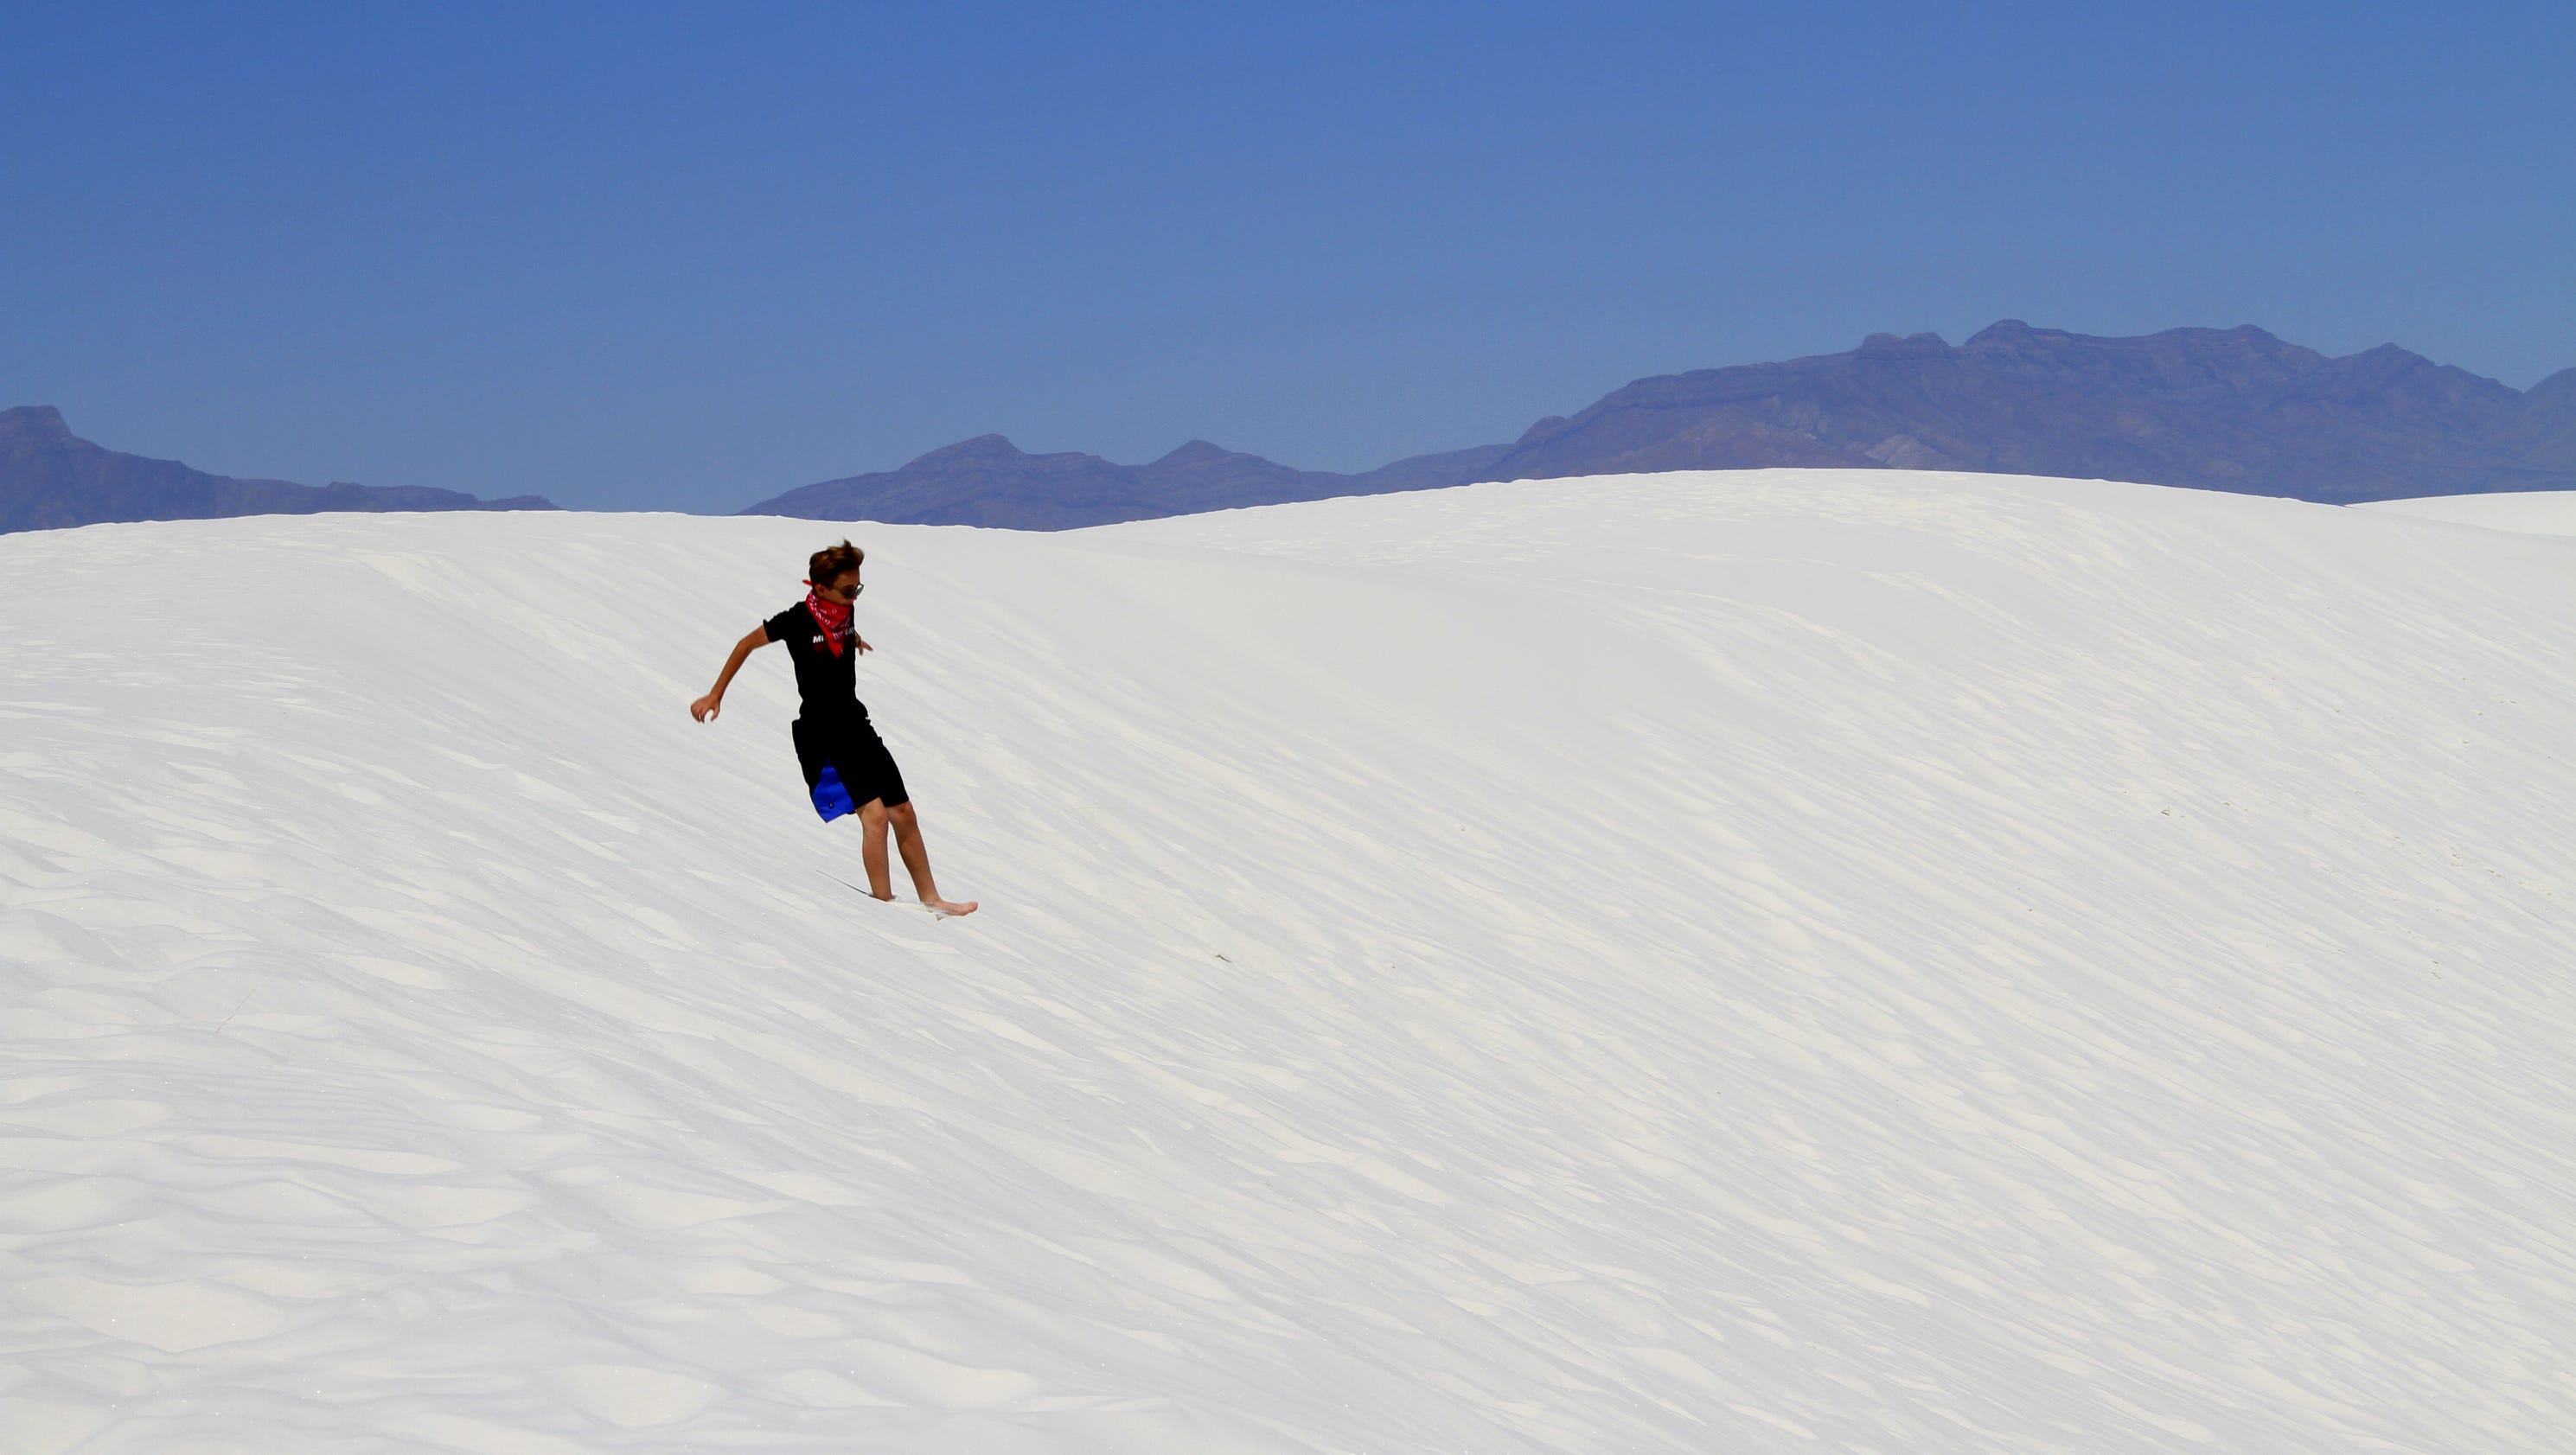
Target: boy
[(847, 767)]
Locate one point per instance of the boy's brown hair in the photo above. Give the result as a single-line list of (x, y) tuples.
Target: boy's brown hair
[(833, 562)]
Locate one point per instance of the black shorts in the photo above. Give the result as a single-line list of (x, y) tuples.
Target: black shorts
[(846, 765)]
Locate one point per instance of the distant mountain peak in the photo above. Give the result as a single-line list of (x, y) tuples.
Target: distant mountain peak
[(991, 445), (33, 422), (51, 478), (1889, 346), (988, 481), (2227, 409), (1201, 452)]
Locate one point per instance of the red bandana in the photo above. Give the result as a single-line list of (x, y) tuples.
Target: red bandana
[(832, 617)]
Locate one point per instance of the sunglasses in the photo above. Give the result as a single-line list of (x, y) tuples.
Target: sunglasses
[(853, 589)]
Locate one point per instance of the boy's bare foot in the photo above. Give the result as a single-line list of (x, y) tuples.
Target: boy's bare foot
[(953, 906)]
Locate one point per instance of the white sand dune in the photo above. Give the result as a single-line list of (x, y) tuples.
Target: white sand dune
[(1767, 961), (2537, 512)]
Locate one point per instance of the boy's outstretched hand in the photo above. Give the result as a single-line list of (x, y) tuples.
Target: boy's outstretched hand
[(706, 708)]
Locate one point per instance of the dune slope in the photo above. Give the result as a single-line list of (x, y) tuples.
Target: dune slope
[(1768, 961)]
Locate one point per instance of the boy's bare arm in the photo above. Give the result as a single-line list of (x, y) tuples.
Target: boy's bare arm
[(706, 708)]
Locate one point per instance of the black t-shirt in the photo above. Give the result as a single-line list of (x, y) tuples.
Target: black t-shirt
[(828, 684)]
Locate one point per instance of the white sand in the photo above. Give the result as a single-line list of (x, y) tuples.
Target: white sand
[(1746, 962), (2536, 512)]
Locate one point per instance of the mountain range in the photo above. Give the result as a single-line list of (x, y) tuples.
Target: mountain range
[(50, 477), (2218, 409), (989, 481)]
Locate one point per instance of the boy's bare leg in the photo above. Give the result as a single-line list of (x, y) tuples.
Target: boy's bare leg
[(872, 848), (916, 858)]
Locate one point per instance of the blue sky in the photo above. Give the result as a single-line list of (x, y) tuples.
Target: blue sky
[(684, 257)]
